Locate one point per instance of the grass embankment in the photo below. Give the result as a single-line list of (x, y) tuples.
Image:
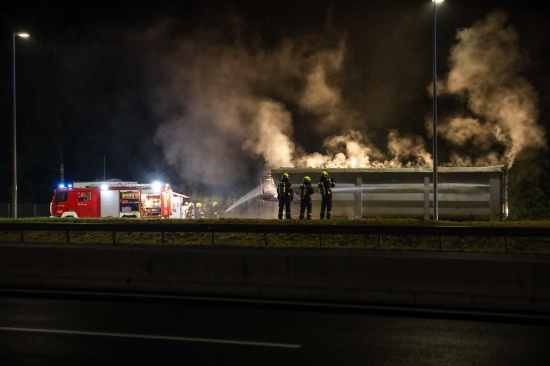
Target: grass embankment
[(331, 241)]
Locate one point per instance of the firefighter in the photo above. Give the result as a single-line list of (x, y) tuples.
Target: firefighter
[(305, 191), (215, 213), (200, 213), (185, 210), (285, 194), (190, 211), (325, 188)]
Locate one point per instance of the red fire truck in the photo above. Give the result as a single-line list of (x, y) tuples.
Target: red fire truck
[(115, 198)]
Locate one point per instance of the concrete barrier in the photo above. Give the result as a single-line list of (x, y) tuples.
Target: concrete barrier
[(460, 280)]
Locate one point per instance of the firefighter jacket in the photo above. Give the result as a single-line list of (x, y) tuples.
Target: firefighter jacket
[(285, 190), (325, 185)]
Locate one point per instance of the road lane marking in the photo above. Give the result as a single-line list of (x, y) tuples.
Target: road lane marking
[(362, 307), (154, 337)]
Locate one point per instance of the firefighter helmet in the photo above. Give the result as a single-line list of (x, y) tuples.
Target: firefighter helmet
[(215, 204), (307, 179), (199, 204), (324, 174), (286, 176), (191, 204)]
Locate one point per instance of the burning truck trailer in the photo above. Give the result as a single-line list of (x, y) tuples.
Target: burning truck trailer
[(116, 198), (464, 193), (268, 189)]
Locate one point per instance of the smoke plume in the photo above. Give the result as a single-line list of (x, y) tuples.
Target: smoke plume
[(485, 67), (230, 103)]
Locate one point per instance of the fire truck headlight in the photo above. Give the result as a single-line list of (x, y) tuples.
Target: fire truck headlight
[(104, 187), (156, 186)]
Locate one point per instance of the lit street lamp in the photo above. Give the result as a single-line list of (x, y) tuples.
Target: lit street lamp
[(435, 215), (14, 192)]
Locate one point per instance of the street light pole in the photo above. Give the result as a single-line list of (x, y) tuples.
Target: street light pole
[(435, 193), (14, 192)]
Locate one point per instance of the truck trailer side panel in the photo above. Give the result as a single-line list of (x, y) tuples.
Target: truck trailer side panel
[(466, 193)]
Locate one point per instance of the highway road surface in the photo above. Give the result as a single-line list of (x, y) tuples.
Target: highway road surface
[(63, 328)]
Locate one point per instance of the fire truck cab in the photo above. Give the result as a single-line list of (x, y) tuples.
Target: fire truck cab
[(115, 198)]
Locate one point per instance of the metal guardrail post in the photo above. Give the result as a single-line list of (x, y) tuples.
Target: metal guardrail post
[(506, 241)]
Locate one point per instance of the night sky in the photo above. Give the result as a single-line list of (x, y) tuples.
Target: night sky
[(210, 95)]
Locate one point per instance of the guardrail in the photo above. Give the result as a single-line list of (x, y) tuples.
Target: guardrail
[(25, 210), (321, 231)]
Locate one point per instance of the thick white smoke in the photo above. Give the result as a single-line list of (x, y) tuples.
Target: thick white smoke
[(353, 150), (272, 140), (226, 103), (229, 103), (350, 150), (486, 68)]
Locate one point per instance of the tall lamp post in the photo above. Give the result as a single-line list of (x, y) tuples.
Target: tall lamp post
[(436, 209), (14, 192)]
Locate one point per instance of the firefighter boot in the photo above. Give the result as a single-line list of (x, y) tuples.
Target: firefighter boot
[(322, 215)]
